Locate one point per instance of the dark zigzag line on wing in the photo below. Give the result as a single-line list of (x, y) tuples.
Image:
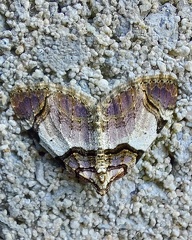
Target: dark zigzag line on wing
[(116, 150)]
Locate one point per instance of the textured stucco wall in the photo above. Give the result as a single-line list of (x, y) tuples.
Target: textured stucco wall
[(95, 46)]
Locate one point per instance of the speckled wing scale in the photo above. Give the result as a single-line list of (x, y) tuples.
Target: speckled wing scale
[(97, 142)]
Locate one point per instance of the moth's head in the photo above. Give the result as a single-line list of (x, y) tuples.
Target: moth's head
[(102, 180), (100, 169)]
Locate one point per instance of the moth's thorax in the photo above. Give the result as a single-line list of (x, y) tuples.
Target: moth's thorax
[(101, 165), (101, 162)]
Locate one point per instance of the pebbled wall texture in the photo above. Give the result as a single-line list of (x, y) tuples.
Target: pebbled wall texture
[(95, 46)]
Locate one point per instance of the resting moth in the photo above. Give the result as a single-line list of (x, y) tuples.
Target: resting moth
[(97, 142)]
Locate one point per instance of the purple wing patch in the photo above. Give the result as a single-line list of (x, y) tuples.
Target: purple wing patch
[(27, 105), (97, 142), (163, 94)]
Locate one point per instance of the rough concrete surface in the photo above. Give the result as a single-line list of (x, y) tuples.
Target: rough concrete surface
[(95, 46)]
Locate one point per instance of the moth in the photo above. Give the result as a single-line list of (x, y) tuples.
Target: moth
[(98, 142)]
